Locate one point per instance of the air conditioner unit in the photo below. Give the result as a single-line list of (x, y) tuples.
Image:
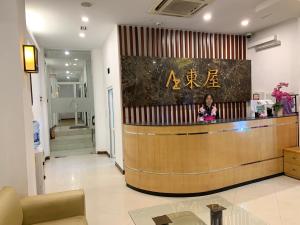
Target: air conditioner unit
[(265, 43), (179, 8)]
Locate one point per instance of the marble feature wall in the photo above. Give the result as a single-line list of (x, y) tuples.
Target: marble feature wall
[(144, 81)]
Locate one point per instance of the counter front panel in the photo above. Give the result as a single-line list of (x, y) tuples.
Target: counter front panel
[(203, 158)]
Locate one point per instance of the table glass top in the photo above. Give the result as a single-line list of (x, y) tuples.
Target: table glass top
[(195, 212)]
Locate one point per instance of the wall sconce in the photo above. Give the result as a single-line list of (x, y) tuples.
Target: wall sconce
[(30, 60), (30, 57)]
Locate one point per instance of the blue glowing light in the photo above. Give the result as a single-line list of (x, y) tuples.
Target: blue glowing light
[(241, 126)]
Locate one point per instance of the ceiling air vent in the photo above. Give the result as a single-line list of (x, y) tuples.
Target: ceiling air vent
[(180, 8)]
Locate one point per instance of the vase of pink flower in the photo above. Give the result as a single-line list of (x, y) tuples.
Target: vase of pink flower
[(284, 102)]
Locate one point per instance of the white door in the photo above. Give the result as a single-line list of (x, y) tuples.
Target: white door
[(111, 122), (71, 102)]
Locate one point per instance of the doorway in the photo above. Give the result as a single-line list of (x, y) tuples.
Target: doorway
[(70, 102), (110, 96)]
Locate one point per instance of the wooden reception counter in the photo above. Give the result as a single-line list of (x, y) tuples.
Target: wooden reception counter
[(192, 159)]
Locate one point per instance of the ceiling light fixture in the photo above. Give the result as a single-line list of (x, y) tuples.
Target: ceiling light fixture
[(67, 53), (74, 64), (68, 77), (76, 59), (245, 23), (207, 16), (82, 35), (67, 64), (67, 72), (85, 19)]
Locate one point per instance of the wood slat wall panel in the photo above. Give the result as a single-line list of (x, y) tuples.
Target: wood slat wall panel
[(163, 42), (173, 114)]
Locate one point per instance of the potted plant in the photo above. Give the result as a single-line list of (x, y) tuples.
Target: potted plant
[(284, 102), (277, 108)]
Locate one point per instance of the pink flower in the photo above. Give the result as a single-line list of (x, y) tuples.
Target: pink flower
[(279, 95)]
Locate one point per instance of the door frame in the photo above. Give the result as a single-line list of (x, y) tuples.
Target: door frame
[(111, 120)]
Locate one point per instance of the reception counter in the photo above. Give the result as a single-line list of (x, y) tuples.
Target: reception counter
[(195, 159)]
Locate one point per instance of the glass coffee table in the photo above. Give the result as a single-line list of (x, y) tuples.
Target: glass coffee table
[(211, 210)]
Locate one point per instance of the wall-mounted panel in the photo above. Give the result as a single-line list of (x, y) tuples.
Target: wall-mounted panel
[(150, 81)]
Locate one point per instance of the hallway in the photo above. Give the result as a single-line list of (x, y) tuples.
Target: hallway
[(71, 140), (108, 200)]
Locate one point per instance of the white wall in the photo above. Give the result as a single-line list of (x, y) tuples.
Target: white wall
[(108, 57), (45, 132), (40, 106), (90, 89), (278, 64), (17, 166), (101, 134)]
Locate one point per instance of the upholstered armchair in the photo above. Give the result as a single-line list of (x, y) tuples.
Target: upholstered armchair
[(65, 208)]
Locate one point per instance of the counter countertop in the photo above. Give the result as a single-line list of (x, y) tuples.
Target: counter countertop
[(206, 123)]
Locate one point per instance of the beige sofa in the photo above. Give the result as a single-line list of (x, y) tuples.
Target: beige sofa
[(66, 208)]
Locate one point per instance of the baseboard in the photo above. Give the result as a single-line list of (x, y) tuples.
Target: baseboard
[(203, 193), (103, 153), (119, 168)]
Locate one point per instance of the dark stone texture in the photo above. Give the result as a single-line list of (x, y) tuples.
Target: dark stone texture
[(144, 80)]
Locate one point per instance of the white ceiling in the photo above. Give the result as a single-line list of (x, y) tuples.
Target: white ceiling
[(56, 64), (59, 20)]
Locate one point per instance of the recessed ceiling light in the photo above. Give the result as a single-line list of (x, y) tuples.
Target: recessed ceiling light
[(245, 23), (68, 77), (85, 19), (207, 16), (67, 72), (67, 53), (67, 64), (74, 64), (82, 35), (76, 59)]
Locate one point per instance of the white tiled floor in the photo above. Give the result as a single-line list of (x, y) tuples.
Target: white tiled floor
[(69, 141), (108, 200)]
